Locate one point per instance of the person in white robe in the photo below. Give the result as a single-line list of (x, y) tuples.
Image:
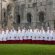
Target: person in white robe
[(48, 34), (11, 34), (40, 35), (27, 34), (44, 35), (7, 33), (37, 34), (15, 34), (34, 34), (1, 35), (30, 34), (23, 33), (19, 34), (4, 36), (53, 34)]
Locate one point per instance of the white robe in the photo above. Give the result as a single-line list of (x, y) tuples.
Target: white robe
[(47, 36), (0, 36), (34, 35), (30, 34), (40, 35), (53, 36), (11, 35), (19, 34), (7, 34), (4, 37), (27, 34), (15, 35), (37, 35)]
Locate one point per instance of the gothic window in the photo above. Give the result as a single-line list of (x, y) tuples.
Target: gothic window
[(48, 24), (41, 16), (29, 18), (18, 19), (4, 14)]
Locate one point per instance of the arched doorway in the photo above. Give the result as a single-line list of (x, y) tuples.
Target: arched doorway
[(18, 19), (29, 17), (41, 17)]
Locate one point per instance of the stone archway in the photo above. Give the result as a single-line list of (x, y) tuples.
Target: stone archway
[(18, 19), (41, 17), (29, 17)]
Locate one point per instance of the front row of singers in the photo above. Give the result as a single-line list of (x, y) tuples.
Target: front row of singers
[(27, 34)]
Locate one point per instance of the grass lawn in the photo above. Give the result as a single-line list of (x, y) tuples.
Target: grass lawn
[(26, 49)]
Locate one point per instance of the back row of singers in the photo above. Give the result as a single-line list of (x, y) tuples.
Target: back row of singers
[(27, 34)]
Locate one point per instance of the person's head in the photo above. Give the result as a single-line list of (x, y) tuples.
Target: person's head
[(42, 28), (48, 28), (7, 29), (18, 28)]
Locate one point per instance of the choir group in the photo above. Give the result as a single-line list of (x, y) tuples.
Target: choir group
[(27, 34)]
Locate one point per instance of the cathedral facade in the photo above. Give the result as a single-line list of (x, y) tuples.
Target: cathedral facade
[(25, 13)]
